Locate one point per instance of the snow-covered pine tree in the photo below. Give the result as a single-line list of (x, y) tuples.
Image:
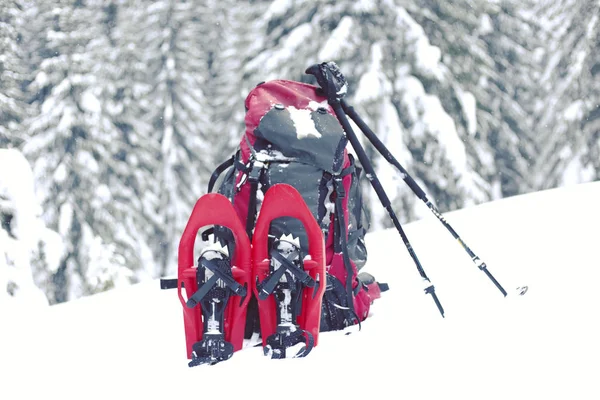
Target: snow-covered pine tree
[(128, 170), (172, 41), (228, 37), (13, 73), (287, 33), (29, 252), (591, 115), (398, 84), (568, 112), (73, 144), (510, 92), (489, 49)]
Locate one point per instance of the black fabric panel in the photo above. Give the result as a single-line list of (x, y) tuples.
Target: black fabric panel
[(306, 179), (358, 223), (278, 128)]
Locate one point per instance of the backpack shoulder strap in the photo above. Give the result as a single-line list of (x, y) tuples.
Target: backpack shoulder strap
[(233, 160), (218, 171)]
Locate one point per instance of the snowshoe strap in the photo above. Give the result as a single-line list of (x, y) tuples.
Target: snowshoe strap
[(267, 286), (202, 291), (218, 268), (299, 273), (168, 283)]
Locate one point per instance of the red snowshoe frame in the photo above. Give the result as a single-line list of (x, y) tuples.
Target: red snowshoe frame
[(214, 209), (281, 200)]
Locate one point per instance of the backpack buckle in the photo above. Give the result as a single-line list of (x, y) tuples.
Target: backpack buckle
[(338, 186), (251, 174), (256, 169)]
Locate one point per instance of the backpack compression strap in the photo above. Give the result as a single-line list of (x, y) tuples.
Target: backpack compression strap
[(256, 176), (340, 230)]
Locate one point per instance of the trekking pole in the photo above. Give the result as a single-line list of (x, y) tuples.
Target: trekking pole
[(383, 150), (334, 86)]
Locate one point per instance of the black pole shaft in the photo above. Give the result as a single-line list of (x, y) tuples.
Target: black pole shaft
[(383, 150), (381, 194)]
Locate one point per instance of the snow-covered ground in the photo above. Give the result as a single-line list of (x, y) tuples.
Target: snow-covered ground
[(129, 343)]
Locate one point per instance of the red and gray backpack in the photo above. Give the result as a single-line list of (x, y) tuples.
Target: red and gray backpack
[(293, 137)]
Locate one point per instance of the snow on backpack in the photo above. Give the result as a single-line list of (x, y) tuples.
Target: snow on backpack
[(284, 231)]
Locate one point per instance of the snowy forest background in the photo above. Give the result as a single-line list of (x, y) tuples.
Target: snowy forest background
[(122, 109)]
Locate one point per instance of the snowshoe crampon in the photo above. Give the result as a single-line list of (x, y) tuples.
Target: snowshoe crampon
[(217, 289), (289, 338), (287, 283), (212, 349)]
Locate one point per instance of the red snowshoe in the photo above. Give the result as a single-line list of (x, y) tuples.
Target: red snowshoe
[(288, 284), (215, 329)]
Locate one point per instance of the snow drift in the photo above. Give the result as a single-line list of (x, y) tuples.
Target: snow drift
[(543, 344)]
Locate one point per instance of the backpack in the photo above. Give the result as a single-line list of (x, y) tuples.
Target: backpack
[(292, 136)]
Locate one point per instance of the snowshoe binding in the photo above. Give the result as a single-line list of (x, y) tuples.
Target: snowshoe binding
[(216, 285), (286, 281)]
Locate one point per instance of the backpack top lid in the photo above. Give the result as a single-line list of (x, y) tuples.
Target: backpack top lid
[(293, 119)]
